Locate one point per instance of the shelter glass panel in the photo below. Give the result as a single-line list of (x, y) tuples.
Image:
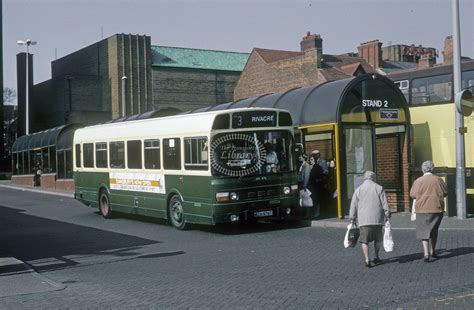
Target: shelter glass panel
[(52, 159), (45, 160), (69, 169), (61, 165), (359, 156)]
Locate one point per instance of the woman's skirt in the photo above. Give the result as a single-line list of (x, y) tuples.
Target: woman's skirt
[(427, 225), (370, 233)]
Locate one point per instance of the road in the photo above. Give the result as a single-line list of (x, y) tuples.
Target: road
[(128, 262)]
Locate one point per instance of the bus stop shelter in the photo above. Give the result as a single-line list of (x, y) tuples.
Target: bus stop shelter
[(360, 123)]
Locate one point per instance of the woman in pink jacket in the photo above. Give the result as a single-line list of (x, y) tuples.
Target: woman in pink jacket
[(429, 191)]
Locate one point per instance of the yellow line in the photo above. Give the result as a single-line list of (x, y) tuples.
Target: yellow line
[(317, 125)]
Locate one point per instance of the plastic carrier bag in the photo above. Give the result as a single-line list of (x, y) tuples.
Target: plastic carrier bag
[(305, 198), (388, 238)]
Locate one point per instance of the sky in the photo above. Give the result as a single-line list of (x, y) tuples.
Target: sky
[(61, 27)]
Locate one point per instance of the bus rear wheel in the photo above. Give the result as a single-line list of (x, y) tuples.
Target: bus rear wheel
[(176, 213), (104, 205)]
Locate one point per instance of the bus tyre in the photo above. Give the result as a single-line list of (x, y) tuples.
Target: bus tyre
[(176, 213), (104, 205)]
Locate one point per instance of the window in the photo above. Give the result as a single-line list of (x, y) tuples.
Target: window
[(134, 154), (101, 155), (195, 153), (172, 153), (468, 80), (78, 155), (433, 89), (152, 154), (117, 154), (88, 155)]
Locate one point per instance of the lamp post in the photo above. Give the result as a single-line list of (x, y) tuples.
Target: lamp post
[(28, 42)]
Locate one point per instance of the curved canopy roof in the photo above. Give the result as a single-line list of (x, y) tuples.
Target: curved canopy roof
[(327, 102), (57, 137)]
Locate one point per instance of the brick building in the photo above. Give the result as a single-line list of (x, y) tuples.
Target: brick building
[(269, 71), (124, 75)]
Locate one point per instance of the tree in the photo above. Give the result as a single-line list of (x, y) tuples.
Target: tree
[(9, 95)]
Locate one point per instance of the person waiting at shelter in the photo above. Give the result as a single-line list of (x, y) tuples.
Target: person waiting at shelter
[(37, 174), (369, 208), (315, 184)]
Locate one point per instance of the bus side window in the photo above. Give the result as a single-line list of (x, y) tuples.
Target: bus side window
[(195, 153), (134, 154), (117, 154), (152, 154), (101, 155), (88, 155), (78, 156), (172, 153)]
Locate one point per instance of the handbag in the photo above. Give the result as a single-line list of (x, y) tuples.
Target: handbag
[(305, 198), (388, 238), (413, 211), (353, 234)]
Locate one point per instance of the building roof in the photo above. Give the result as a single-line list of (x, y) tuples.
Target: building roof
[(178, 57), (276, 55)]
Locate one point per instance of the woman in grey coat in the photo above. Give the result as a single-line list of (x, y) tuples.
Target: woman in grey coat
[(369, 207)]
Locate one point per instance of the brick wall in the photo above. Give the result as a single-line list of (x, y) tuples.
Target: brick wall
[(26, 179), (187, 89), (259, 77), (392, 170), (48, 181), (65, 185), (324, 147)]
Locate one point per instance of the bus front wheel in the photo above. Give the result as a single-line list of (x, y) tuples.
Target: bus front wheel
[(176, 213), (104, 205)]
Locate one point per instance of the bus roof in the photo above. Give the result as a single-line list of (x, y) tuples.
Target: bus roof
[(182, 124)]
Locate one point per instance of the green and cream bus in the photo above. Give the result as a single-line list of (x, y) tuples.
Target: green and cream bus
[(205, 168)]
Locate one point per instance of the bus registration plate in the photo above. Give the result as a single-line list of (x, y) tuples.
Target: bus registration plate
[(263, 213)]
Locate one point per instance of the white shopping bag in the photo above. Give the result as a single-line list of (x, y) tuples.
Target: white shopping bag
[(305, 198), (388, 238), (413, 211), (346, 238)]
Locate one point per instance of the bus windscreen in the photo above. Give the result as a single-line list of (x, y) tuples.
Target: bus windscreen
[(251, 153)]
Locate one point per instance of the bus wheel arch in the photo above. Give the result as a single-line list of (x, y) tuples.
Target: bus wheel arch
[(175, 211), (104, 203)]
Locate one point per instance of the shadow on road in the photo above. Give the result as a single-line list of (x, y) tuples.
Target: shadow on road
[(28, 238), (442, 254)]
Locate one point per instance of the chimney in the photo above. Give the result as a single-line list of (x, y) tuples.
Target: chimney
[(372, 52), (448, 51), (426, 61), (312, 46)]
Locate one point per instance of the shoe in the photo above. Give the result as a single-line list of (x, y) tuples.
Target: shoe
[(426, 259), (368, 265), (377, 261), (434, 255)]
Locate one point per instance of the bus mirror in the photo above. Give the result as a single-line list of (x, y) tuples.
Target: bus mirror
[(464, 102)]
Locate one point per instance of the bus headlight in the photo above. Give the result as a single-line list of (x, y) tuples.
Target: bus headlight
[(222, 197), (233, 196), (286, 190), (294, 188)]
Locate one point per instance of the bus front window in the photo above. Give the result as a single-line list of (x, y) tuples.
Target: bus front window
[(240, 154)]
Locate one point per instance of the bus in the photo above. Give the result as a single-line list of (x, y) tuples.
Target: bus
[(197, 168), (430, 96)]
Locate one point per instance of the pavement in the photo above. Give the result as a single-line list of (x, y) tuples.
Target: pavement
[(18, 278)]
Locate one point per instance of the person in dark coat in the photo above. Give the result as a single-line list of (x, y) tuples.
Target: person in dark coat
[(316, 184)]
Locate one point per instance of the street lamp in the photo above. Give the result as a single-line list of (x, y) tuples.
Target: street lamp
[(28, 42)]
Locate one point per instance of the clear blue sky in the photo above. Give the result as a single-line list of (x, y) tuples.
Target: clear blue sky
[(230, 25)]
